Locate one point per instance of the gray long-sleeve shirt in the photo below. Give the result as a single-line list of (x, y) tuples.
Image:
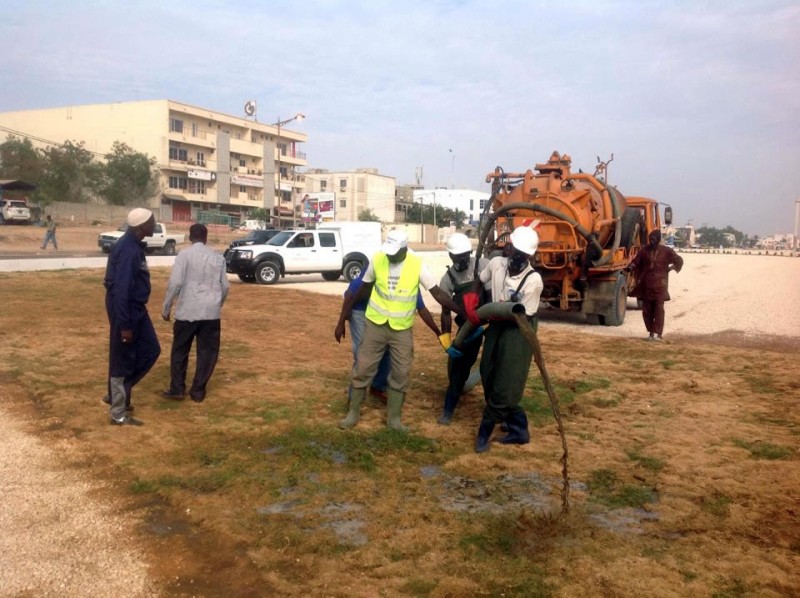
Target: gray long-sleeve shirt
[(199, 283)]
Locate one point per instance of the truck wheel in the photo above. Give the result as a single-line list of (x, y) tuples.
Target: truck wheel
[(267, 273), (169, 248), (247, 277), (331, 276), (619, 303), (105, 249), (352, 270)]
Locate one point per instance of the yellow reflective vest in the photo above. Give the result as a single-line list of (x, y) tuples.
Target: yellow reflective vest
[(398, 307)]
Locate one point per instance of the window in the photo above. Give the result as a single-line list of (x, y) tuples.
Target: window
[(242, 162), (482, 204), (342, 203), (323, 185), (198, 187), (284, 172), (242, 189), (302, 240), (176, 152), (201, 159), (343, 183), (177, 182), (175, 125), (471, 204), (327, 240), (194, 129)]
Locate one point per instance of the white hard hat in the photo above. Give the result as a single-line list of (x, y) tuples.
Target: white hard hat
[(525, 239), (458, 243)]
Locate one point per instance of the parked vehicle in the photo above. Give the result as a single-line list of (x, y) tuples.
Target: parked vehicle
[(14, 211), (161, 240), (588, 233), (254, 237), (333, 249), (253, 225)]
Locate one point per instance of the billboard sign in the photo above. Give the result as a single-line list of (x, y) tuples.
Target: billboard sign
[(318, 207)]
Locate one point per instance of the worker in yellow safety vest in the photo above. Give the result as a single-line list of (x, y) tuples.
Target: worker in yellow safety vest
[(391, 282)]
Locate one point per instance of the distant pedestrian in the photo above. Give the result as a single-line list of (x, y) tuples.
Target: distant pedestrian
[(200, 285), (651, 267), (50, 234), (133, 346)]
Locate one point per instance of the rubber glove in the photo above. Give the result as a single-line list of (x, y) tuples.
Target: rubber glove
[(475, 334), (445, 340), (470, 307), (453, 352)]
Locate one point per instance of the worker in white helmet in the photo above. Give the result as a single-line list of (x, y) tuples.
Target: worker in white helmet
[(456, 282), (507, 355)]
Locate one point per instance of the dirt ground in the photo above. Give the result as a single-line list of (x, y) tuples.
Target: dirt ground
[(683, 458)]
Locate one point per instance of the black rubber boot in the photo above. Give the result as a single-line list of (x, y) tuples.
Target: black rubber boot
[(484, 433), (450, 402), (517, 429)]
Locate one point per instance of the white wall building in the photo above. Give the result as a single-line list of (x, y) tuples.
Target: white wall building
[(468, 201), (355, 191)]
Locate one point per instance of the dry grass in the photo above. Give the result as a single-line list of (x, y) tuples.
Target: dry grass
[(684, 460)]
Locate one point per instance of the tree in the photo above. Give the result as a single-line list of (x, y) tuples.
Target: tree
[(20, 160), (367, 215), (70, 174), (128, 177)]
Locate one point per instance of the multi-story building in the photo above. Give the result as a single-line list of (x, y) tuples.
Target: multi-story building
[(468, 201), (404, 199), (207, 160), (355, 191)]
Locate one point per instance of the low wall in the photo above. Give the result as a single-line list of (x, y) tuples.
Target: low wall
[(82, 213)]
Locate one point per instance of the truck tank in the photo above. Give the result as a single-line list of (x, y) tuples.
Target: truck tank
[(588, 233)]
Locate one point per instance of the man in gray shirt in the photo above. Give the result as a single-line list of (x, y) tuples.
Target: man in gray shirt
[(200, 284)]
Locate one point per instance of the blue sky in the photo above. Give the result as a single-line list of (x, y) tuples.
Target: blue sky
[(698, 101)]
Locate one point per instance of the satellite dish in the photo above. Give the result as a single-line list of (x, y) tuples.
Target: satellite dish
[(250, 108)]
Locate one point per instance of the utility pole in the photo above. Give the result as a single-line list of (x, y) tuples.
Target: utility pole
[(796, 225)]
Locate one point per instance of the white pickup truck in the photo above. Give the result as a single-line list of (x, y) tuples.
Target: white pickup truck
[(333, 249), (160, 241)]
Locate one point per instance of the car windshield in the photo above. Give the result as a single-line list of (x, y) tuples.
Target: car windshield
[(253, 234), (281, 238), (18, 204)]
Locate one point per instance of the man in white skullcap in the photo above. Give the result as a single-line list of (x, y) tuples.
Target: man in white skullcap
[(133, 347)]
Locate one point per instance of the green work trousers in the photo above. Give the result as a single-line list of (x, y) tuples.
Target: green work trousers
[(505, 365)]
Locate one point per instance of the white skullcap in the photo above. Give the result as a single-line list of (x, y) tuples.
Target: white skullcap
[(138, 216)]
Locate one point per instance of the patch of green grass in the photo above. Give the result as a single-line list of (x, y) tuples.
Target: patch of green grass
[(735, 588), (716, 504), (651, 463), (760, 384), (668, 364), (605, 487), (606, 403), (688, 576), (763, 450), (418, 586), (537, 404), (143, 487)]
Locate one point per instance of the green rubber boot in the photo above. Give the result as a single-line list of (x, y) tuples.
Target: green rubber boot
[(357, 396), (394, 408)]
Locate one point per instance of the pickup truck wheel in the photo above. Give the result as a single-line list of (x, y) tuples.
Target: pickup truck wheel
[(267, 273), (352, 270), (105, 249), (247, 277), (169, 248), (331, 276)]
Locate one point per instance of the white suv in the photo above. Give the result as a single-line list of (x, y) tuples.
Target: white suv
[(14, 210)]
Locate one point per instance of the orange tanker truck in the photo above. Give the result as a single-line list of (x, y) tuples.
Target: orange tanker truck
[(588, 233)]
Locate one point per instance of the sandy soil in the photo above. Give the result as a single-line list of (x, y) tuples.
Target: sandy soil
[(705, 424)]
